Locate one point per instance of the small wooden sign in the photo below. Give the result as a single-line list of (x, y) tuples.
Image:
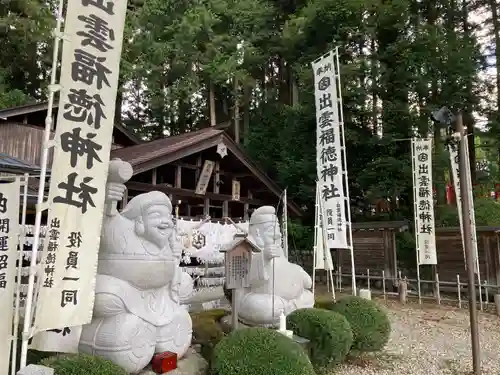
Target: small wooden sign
[(238, 257), (236, 190), (204, 179)]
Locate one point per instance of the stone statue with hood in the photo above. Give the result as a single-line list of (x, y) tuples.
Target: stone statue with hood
[(291, 282), (140, 287)]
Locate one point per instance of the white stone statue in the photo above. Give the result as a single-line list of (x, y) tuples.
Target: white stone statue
[(140, 287), (291, 282)]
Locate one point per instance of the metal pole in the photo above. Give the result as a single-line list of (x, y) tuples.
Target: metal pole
[(468, 241)]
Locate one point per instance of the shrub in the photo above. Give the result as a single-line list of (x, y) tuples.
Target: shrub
[(82, 364), (323, 303), (259, 351), (215, 314), (370, 324), (329, 334), (206, 330)]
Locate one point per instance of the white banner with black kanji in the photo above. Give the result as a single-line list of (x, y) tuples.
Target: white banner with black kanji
[(331, 175), (93, 37), (424, 201), (9, 239)]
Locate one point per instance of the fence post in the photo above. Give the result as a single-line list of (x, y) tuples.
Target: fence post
[(459, 292), (486, 294), (403, 288), (337, 274), (438, 290), (340, 278), (419, 289), (383, 287), (368, 277), (497, 303)]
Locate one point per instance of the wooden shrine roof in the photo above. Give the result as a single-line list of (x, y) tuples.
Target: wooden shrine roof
[(150, 155), (27, 109), (166, 150)]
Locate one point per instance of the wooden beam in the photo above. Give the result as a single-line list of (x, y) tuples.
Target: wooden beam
[(225, 209), (178, 176), (221, 172), (243, 175), (206, 207), (178, 193), (154, 178), (197, 167), (246, 207), (217, 178)]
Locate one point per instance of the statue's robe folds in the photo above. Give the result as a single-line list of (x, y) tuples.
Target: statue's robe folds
[(137, 309), (291, 284)]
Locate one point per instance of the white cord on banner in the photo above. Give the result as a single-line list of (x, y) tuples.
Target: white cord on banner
[(27, 328)]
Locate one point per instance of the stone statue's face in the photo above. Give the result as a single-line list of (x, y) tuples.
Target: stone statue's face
[(158, 225), (271, 233)]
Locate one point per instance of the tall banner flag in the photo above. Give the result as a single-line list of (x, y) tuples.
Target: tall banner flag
[(9, 239), (92, 45), (424, 201), (455, 171), (323, 258), (331, 172)]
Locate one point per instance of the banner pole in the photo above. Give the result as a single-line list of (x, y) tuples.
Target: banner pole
[(27, 327), (415, 209), (315, 247), (346, 179)]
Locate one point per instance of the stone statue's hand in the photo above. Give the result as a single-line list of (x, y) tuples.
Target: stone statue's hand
[(174, 293), (177, 246), (115, 191), (273, 251)]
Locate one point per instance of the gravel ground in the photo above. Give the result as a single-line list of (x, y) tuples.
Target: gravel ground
[(431, 341)]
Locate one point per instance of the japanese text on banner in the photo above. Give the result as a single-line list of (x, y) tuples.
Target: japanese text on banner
[(330, 170), (455, 168), (424, 201), (9, 238), (89, 79)]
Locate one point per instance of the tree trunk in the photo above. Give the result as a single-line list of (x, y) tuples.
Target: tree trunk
[(211, 104)]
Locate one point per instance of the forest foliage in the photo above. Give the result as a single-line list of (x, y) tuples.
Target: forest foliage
[(191, 63)]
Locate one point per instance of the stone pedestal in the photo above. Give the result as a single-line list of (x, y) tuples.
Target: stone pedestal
[(36, 370), (365, 293)]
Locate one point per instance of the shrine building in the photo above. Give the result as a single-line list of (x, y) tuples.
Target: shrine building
[(204, 172)]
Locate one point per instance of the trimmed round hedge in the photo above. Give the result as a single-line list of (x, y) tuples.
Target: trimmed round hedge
[(82, 364), (259, 351), (329, 333), (370, 324)]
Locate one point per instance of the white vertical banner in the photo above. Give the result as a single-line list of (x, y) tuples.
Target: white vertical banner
[(323, 258), (92, 45), (455, 171), (424, 201), (9, 239), (329, 151), (61, 340)]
